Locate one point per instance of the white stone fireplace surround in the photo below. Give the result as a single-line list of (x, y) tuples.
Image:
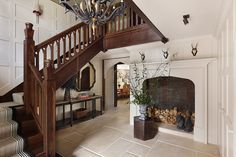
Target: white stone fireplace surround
[(203, 73)]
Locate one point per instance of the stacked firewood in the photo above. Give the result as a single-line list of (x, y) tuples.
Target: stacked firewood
[(167, 116)]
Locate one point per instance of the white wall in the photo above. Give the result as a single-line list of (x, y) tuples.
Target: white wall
[(180, 48), (227, 82), (153, 51), (13, 16)]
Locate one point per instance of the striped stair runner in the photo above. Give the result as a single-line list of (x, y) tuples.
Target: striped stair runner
[(10, 143)]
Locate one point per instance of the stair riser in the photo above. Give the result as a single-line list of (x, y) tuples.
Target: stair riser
[(5, 115), (28, 126), (10, 143), (35, 140)]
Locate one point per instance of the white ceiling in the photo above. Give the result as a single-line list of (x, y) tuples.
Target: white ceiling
[(167, 15)]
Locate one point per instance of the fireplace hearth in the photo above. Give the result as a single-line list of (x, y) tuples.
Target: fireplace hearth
[(173, 101)]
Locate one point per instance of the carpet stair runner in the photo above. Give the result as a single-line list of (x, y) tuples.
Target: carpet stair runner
[(10, 143)]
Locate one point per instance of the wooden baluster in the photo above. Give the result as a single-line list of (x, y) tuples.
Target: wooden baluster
[(110, 27), (136, 20), (107, 27), (36, 98), (45, 57), (52, 53), (132, 17), (69, 52), (91, 37), (123, 21), (87, 34), (58, 54), (115, 24), (118, 18), (64, 49), (84, 36), (96, 32), (79, 39), (128, 18), (75, 46), (37, 59), (142, 22)]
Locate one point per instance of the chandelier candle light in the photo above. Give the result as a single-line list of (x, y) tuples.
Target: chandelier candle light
[(95, 12)]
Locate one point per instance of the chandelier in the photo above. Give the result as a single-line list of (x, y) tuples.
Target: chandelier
[(95, 12)]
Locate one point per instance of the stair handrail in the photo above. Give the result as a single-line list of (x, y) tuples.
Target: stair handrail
[(58, 36)]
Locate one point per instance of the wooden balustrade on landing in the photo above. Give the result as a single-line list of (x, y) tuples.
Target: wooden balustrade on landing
[(66, 45)]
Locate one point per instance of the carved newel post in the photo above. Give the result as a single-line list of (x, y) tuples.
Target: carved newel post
[(49, 109), (28, 59)]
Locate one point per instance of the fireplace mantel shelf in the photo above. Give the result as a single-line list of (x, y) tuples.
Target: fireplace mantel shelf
[(184, 61)]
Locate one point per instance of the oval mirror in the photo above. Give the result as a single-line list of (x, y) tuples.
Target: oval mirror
[(86, 77)]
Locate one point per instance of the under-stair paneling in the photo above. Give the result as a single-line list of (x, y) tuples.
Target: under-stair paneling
[(226, 70), (13, 16)]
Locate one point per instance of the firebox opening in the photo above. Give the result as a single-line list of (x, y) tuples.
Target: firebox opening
[(173, 101)]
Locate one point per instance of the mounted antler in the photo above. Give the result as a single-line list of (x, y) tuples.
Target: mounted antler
[(165, 53), (142, 56), (194, 49)]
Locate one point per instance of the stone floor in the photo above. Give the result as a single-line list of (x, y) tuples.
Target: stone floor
[(110, 135)]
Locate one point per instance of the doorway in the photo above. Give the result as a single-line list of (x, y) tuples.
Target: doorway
[(121, 84)]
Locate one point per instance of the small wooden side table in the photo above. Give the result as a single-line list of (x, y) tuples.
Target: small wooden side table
[(144, 130)]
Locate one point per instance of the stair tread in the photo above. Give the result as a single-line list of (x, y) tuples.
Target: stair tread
[(11, 145), (7, 128)]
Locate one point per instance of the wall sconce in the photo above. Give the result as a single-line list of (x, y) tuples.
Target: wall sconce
[(36, 9), (185, 19)]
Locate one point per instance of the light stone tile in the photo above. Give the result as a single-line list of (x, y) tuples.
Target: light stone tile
[(101, 139), (81, 152), (185, 153), (139, 150), (162, 150), (204, 155), (75, 138), (112, 135), (118, 148), (128, 155), (149, 143), (188, 143), (65, 148)]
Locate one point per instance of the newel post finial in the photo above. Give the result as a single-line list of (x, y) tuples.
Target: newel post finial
[(29, 32)]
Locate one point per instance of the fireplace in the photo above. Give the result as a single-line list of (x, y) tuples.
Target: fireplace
[(173, 101), (203, 74)]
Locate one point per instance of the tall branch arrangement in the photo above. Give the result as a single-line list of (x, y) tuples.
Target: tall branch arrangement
[(138, 75)]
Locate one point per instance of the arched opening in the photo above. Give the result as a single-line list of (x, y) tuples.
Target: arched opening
[(121, 83)]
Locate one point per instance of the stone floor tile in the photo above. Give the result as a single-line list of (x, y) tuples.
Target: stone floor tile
[(81, 152), (127, 154), (139, 150), (118, 148)]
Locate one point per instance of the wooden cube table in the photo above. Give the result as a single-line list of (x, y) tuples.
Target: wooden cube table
[(144, 130)]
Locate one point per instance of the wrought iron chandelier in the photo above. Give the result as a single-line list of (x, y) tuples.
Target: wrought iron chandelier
[(94, 12)]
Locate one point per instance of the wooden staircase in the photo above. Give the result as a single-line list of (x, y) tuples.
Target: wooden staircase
[(48, 65)]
